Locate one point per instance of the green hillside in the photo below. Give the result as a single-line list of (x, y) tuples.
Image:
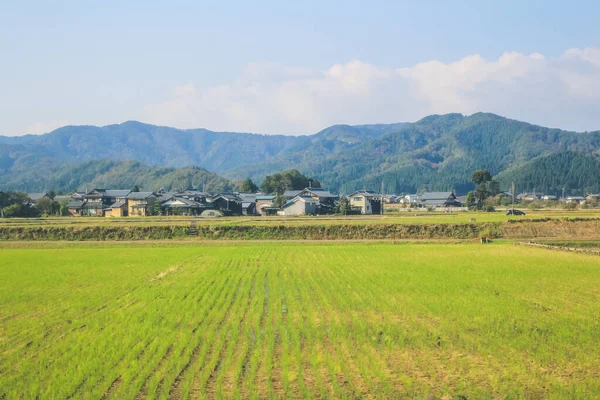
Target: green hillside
[(576, 172), (46, 174), (438, 152)]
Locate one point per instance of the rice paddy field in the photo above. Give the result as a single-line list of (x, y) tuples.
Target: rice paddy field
[(413, 217), (328, 320)]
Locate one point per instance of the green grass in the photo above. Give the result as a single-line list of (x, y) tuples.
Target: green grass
[(297, 320)]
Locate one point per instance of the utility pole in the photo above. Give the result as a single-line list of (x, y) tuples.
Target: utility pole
[(563, 194), (513, 198), (382, 201)]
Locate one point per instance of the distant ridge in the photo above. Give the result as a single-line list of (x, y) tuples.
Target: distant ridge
[(439, 152)]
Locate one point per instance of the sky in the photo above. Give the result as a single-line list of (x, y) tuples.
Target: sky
[(296, 67)]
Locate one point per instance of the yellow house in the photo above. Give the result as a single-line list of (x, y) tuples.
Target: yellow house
[(140, 203), (118, 209)]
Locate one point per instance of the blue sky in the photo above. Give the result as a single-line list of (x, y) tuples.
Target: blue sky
[(296, 67)]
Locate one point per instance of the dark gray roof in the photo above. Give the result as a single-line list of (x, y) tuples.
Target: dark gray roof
[(320, 192), (139, 195), (118, 204), (251, 197), (228, 196), (116, 193), (435, 196), (75, 204), (265, 198), (184, 203)]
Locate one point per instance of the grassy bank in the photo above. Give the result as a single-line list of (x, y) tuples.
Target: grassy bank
[(513, 229)]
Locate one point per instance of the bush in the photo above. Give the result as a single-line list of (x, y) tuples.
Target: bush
[(490, 208)]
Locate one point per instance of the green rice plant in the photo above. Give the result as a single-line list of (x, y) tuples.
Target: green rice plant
[(297, 320)]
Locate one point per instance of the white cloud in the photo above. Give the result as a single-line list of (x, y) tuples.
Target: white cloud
[(43, 127), (271, 98)]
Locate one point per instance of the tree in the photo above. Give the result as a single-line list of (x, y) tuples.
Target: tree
[(48, 206), (64, 210), (51, 194), (17, 204), (248, 186), (156, 209), (344, 206), (493, 187), (135, 188), (471, 201), (287, 180), (279, 201), (481, 176)]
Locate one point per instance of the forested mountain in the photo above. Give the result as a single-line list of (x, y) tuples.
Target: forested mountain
[(47, 174), (438, 152), (164, 146), (577, 173)]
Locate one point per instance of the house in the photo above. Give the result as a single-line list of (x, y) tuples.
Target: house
[(140, 203), (526, 196), (227, 203), (439, 199), (248, 203), (593, 197), (94, 203), (324, 197), (192, 194), (114, 196), (409, 199), (549, 197), (575, 199), (117, 209), (366, 202), (183, 206), (75, 207), (265, 206), (301, 205), (390, 198)]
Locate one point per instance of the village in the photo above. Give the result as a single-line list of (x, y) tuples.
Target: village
[(308, 201)]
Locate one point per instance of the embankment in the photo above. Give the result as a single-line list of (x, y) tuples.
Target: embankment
[(522, 229)]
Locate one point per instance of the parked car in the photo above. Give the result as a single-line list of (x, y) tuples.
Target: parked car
[(515, 212)]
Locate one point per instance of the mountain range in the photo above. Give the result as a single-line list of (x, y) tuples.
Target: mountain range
[(438, 152)]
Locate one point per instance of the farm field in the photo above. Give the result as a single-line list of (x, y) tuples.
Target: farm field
[(416, 217), (297, 320)]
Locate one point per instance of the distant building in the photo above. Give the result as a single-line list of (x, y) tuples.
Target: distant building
[(93, 203), (301, 205), (227, 203), (183, 206), (575, 199), (366, 202), (439, 199), (140, 203), (409, 199), (265, 206), (529, 196)]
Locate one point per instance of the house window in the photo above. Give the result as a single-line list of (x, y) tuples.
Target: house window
[(357, 199)]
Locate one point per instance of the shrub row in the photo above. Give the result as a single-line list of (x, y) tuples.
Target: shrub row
[(261, 232)]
